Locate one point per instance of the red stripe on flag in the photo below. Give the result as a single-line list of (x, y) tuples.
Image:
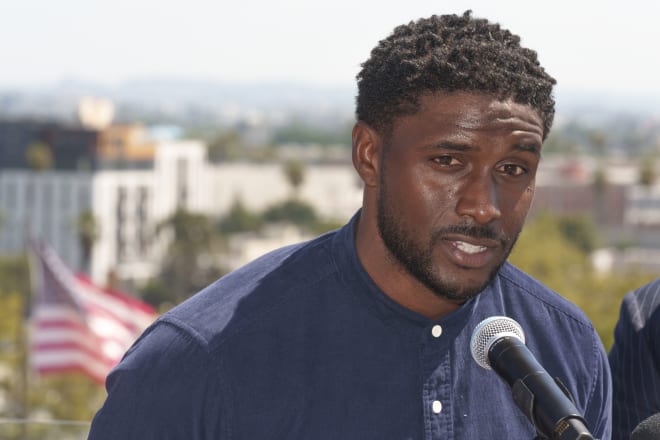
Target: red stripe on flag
[(77, 325), (129, 302), (59, 324)]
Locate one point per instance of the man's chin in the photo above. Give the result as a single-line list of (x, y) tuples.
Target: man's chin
[(458, 296), (463, 288)]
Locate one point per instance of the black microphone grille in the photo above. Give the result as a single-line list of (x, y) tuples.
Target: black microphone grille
[(648, 429), (487, 332)]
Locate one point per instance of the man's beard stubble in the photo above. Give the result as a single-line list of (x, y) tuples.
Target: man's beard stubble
[(418, 260)]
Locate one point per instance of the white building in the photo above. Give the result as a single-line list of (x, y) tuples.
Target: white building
[(129, 204), (643, 206), (126, 204), (335, 190)]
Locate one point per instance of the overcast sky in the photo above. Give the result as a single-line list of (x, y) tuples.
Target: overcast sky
[(586, 44)]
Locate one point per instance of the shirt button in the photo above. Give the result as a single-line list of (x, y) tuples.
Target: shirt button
[(437, 407), (436, 331)]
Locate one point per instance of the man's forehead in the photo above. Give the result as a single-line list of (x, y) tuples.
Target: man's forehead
[(472, 109)]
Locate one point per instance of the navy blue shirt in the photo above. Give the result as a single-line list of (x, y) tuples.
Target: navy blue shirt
[(635, 360), (301, 344)]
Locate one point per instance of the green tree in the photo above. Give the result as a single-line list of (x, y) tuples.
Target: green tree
[(190, 262), (547, 254), (581, 231), (39, 156), (225, 146), (239, 219), (600, 180), (14, 274), (647, 174), (600, 183), (598, 141), (294, 170), (548, 251), (324, 225), (293, 211), (13, 360), (299, 132), (88, 231), (557, 143), (70, 397)]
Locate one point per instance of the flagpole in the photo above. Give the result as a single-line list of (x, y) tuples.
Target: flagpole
[(22, 343)]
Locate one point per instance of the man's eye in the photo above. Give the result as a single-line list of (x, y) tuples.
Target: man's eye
[(445, 160), (513, 170)]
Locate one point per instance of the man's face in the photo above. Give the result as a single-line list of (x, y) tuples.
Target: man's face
[(456, 182)]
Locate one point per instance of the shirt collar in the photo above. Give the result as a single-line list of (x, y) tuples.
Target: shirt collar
[(369, 294)]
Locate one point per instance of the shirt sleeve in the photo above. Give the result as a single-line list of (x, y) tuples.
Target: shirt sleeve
[(634, 360), (166, 387)]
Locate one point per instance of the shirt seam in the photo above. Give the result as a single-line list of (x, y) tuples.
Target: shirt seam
[(287, 296), (596, 375), (573, 318), (594, 342), (191, 334)]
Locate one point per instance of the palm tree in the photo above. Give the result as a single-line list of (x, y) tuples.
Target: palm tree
[(294, 170), (600, 185), (88, 230), (647, 174), (190, 262)]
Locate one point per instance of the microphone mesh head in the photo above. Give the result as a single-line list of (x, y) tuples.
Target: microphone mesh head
[(487, 332), (648, 429)]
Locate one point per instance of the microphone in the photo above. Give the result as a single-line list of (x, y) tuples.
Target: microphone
[(648, 429), (498, 343)]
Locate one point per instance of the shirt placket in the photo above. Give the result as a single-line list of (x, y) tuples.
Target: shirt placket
[(436, 390)]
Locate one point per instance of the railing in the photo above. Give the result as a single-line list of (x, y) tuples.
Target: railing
[(43, 429)]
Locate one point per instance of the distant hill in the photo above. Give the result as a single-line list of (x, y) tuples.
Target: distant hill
[(572, 103), (180, 98), (177, 100)]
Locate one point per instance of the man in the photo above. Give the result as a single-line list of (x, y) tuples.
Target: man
[(363, 333), (635, 360)]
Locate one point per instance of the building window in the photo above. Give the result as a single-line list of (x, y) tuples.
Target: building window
[(9, 196), (120, 220), (64, 200), (47, 214), (182, 183), (84, 201), (143, 220)]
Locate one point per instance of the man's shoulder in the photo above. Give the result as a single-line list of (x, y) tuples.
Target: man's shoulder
[(537, 296), (639, 306), (256, 290), (646, 297), (557, 331)]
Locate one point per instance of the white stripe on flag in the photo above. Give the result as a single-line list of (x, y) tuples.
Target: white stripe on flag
[(78, 325), (70, 358)]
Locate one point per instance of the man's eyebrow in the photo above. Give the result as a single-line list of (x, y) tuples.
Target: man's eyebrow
[(529, 148), (455, 146)]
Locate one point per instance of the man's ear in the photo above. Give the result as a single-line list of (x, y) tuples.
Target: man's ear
[(367, 149)]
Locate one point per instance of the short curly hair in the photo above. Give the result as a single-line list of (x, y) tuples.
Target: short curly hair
[(449, 53)]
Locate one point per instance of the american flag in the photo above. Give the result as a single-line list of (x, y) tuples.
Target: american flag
[(77, 325)]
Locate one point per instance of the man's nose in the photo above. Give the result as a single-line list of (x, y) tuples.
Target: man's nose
[(478, 198)]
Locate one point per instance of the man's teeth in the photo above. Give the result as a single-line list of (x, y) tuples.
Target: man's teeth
[(469, 248)]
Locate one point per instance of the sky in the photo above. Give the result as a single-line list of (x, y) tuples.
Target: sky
[(588, 45)]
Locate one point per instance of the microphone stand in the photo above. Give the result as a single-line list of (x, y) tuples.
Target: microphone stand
[(569, 428), (533, 389)]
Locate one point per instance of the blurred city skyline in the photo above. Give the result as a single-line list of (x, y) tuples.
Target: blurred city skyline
[(596, 47)]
